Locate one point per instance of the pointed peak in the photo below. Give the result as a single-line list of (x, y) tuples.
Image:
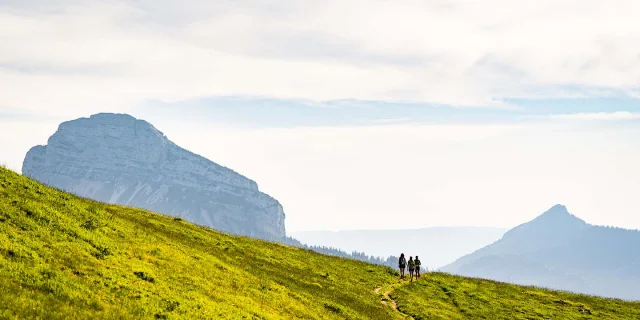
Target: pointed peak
[(553, 223), (558, 213), (558, 208)]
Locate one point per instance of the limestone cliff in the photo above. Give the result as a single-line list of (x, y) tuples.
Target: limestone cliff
[(116, 158)]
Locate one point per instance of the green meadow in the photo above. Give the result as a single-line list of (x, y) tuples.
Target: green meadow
[(65, 257), (443, 296)]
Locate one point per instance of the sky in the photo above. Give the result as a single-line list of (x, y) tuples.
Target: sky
[(354, 114)]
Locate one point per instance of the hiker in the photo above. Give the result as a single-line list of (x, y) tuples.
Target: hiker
[(418, 264), (412, 267), (402, 263)]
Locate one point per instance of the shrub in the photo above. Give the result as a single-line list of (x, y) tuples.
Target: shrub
[(332, 307), (102, 253), (144, 276), (91, 224)]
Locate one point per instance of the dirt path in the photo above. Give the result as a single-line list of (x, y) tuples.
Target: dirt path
[(386, 300)]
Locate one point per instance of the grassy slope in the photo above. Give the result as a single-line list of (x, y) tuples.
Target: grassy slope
[(443, 296), (67, 257), (63, 256)]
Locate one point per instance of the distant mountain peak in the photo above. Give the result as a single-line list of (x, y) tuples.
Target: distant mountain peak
[(119, 119), (116, 158), (555, 224), (558, 210), (559, 207), (112, 115), (558, 214), (560, 251)]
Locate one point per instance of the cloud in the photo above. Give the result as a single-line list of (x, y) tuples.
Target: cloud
[(618, 115), (389, 120), (97, 55)]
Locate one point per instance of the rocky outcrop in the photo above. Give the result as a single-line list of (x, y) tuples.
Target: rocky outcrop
[(118, 159)]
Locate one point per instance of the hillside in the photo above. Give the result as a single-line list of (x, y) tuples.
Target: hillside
[(560, 251), (66, 257), (444, 296)]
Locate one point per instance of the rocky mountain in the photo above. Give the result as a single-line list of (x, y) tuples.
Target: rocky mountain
[(116, 158), (436, 246), (560, 251)]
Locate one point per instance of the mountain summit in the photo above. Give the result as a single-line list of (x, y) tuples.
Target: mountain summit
[(119, 159), (559, 250), (554, 226), (558, 214)]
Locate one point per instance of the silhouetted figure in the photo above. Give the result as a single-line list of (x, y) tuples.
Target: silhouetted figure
[(402, 263), (412, 267), (418, 266)]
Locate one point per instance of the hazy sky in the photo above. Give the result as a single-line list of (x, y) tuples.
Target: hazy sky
[(354, 114)]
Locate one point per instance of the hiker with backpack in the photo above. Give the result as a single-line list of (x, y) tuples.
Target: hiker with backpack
[(412, 267), (418, 266), (402, 263)]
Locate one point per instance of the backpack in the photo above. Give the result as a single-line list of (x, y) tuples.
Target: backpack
[(418, 263)]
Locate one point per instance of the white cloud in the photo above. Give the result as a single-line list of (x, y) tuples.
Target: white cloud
[(618, 115), (388, 120), (96, 55)]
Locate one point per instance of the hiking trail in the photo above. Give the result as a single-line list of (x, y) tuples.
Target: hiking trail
[(386, 299)]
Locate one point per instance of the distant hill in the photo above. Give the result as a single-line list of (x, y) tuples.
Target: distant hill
[(436, 246), (558, 250), (116, 158), (65, 257)]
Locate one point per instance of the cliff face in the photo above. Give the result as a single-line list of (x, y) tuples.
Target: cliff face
[(116, 158)]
